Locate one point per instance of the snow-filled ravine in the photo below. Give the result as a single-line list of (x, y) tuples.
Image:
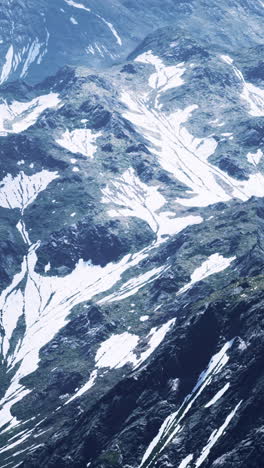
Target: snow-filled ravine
[(80, 140), (127, 195), (174, 423)]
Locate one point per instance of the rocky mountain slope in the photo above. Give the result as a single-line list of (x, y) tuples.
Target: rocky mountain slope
[(132, 247)]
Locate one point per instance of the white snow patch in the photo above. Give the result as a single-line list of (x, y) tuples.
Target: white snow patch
[(131, 197), (144, 318), (156, 336), (13, 309), (77, 5), (255, 98), (22, 190), (7, 402), (217, 396), (254, 158), (165, 77), (47, 267), (117, 351), (22, 229), (113, 353), (227, 59), (18, 116), (214, 264), (73, 20), (80, 140)]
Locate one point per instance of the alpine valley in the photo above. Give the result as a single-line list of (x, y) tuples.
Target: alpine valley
[(132, 233)]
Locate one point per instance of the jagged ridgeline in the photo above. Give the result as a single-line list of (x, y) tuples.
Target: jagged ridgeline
[(132, 220)]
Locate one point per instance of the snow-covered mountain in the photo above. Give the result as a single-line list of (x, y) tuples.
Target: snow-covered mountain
[(131, 248)]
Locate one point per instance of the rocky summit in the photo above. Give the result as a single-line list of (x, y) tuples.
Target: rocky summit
[(132, 233)]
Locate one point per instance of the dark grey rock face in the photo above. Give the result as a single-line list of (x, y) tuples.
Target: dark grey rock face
[(100, 243), (132, 220)]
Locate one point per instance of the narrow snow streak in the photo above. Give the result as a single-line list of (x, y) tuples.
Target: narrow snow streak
[(77, 5), (73, 20), (113, 30), (133, 285), (33, 52), (217, 396), (14, 444), (214, 264), (186, 461)]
